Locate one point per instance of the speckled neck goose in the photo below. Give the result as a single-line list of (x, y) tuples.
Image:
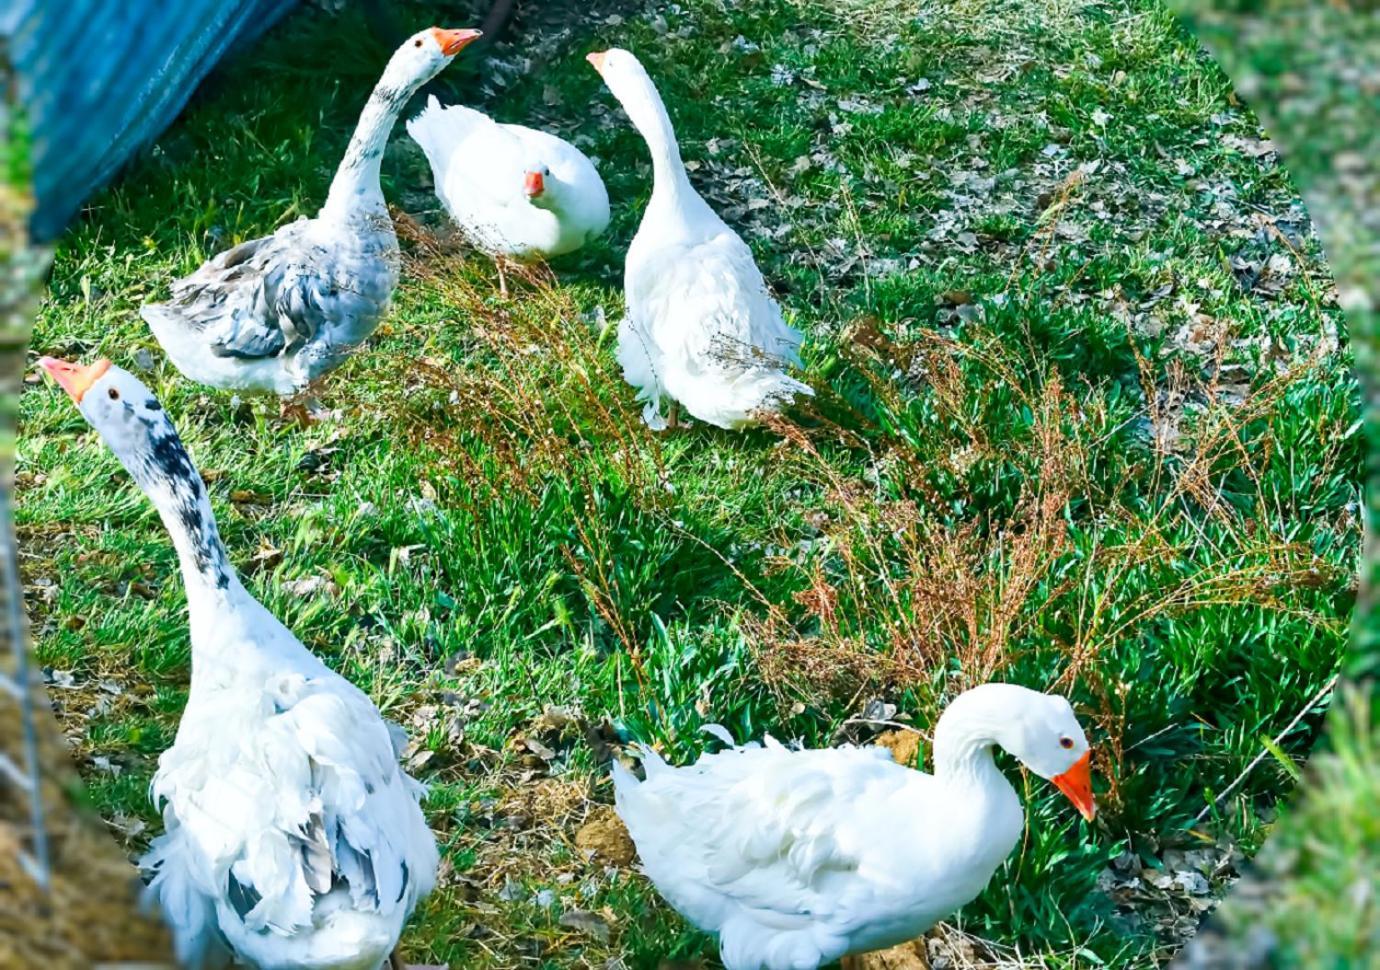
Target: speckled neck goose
[(798, 858), (273, 314), (700, 327), (292, 837), (514, 192)]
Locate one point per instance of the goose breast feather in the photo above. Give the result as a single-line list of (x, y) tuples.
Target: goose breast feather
[(696, 296)]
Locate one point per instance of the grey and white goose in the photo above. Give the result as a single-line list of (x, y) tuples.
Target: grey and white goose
[(275, 313), (292, 838)]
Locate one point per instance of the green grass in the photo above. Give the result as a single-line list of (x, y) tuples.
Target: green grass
[(1061, 437)]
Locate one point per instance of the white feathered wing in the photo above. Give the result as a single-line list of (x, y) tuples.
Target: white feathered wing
[(765, 847), (702, 329), (290, 817)]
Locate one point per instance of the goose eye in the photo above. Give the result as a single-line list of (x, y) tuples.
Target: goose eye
[(417, 42), (114, 394), (1066, 743)]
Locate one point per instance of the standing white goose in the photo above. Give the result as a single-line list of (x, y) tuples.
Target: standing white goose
[(798, 858), (292, 837), (700, 327), (515, 192), (273, 314)]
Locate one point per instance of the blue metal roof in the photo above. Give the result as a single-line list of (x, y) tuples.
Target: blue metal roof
[(100, 80)]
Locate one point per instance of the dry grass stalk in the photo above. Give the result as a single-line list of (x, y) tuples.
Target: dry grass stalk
[(973, 595)]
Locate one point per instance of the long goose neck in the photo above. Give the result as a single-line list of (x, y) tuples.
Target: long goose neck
[(963, 742), (355, 190), (670, 183), (171, 482)]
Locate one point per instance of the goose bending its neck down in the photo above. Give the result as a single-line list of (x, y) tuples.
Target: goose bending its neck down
[(275, 313), (292, 837), (798, 858), (700, 327)]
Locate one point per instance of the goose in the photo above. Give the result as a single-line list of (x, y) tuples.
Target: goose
[(798, 858), (274, 314), (292, 838), (515, 192), (700, 327)]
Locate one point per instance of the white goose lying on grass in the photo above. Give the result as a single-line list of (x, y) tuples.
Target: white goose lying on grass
[(273, 314), (515, 192), (700, 327), (293, 839), (798, 858)]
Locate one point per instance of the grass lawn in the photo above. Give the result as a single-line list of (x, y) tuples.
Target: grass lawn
[(1085, 420)]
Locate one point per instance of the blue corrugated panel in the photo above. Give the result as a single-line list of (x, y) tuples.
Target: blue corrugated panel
[(100, 79)]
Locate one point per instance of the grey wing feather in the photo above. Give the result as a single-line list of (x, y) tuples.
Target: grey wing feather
[(397, 736), (300, 305), (317, 863), (248, 339), (357, 870), (255, 300)]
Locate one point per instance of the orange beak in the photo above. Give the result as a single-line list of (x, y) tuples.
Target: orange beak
[(454, 41), (1076, 784), (534, 184), (75, 379), (597, 60)]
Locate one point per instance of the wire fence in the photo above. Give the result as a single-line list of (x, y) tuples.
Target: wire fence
[(21, 775), (22, 269)]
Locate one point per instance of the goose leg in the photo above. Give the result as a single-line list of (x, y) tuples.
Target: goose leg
[(395, 961), (502, 278), (673, 416)]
